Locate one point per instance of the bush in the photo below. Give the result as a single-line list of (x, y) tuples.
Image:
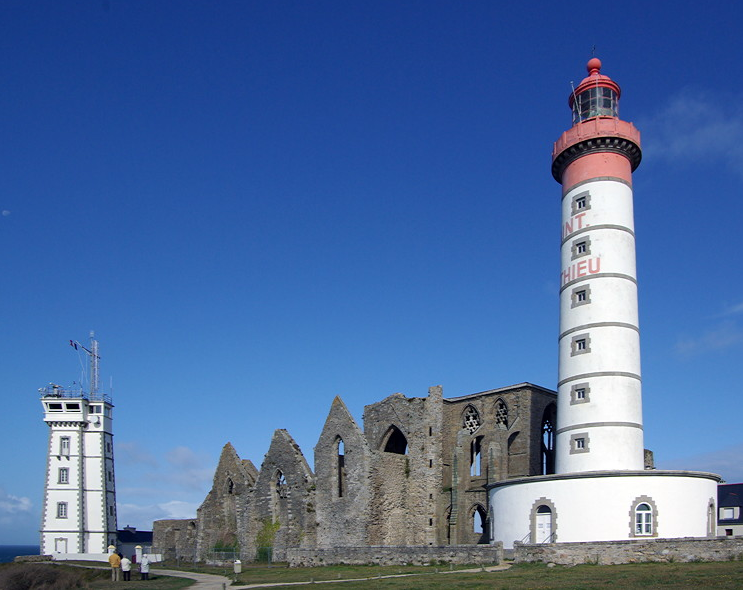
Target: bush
[(26, 576)]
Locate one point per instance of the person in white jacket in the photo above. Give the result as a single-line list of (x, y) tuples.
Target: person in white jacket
[(126, 568), (144, 567)]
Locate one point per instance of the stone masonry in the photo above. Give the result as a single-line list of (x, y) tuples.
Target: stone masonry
[(415, 476)]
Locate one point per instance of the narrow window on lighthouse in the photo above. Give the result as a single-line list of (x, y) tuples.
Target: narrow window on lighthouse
[(579, 393), (581, 344), (61, 509), (64, 446), (64, 475), (580, 248), (580, 203), (579, 443), (580, 296)]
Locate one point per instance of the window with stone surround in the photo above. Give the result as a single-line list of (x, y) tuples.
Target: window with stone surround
[(63, 475), (579, 443), (580, 248), (580, 296), (476, 457), (643, 517), (282, 487), (501, 414), (580, 393), (471, 421), (580, 344), (61, 509), (341, 466), (580, 202)]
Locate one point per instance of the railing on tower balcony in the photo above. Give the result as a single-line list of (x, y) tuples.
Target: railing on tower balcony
[(60, 392)]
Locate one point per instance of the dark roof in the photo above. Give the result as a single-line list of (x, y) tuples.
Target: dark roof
[(138, 537)]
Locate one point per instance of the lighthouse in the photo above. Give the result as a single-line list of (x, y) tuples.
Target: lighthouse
[(599, 417), (601, 489), (79, 512)]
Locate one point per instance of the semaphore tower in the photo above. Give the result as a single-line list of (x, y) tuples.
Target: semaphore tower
[(79, 512), (601, 489)]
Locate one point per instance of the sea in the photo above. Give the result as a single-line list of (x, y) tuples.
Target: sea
[(8, 552)]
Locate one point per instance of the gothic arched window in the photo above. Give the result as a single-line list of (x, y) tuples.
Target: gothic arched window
[(341, 466), (396, 441), (471, 420), (548, 440), (501, 413), (282, 487)]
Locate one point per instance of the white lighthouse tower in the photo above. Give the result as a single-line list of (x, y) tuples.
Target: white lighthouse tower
[(601, 489), (599, 417), (79, 512)]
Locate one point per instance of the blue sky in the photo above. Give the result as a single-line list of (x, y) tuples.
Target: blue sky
[(260, 205)]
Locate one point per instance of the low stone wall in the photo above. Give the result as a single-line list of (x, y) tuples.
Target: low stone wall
[(634, 551), (387, 555), (31, 558)]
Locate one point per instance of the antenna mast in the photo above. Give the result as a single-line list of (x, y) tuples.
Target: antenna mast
[(94, 358)]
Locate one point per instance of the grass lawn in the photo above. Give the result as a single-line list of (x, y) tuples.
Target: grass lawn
[(727, 574)]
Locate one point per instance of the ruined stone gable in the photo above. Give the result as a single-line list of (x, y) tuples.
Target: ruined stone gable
[(234, 480), (342, 471), (281, 512)]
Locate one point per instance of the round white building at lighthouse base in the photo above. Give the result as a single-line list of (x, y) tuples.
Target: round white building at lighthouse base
[(603, 506)]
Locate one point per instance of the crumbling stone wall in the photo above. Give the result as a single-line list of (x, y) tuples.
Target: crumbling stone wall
[(175, 538), (402, 555), (342, 473), (633, 551), (406, 468), (281, 512), (234, 480)]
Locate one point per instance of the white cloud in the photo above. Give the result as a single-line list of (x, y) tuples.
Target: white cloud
[(725, 462), (10, 504), (19, 520), (693, 126), (132, 453), (722, 336), (733, 310)]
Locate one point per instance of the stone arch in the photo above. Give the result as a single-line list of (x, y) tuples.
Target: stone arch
[(394, 441), (478, 519), (539, 509)]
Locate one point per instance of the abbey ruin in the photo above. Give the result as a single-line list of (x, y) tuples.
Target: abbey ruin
[(414, 476)]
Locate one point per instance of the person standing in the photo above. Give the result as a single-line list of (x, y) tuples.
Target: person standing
[(115, 562), (144, 567), (126, 568)]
